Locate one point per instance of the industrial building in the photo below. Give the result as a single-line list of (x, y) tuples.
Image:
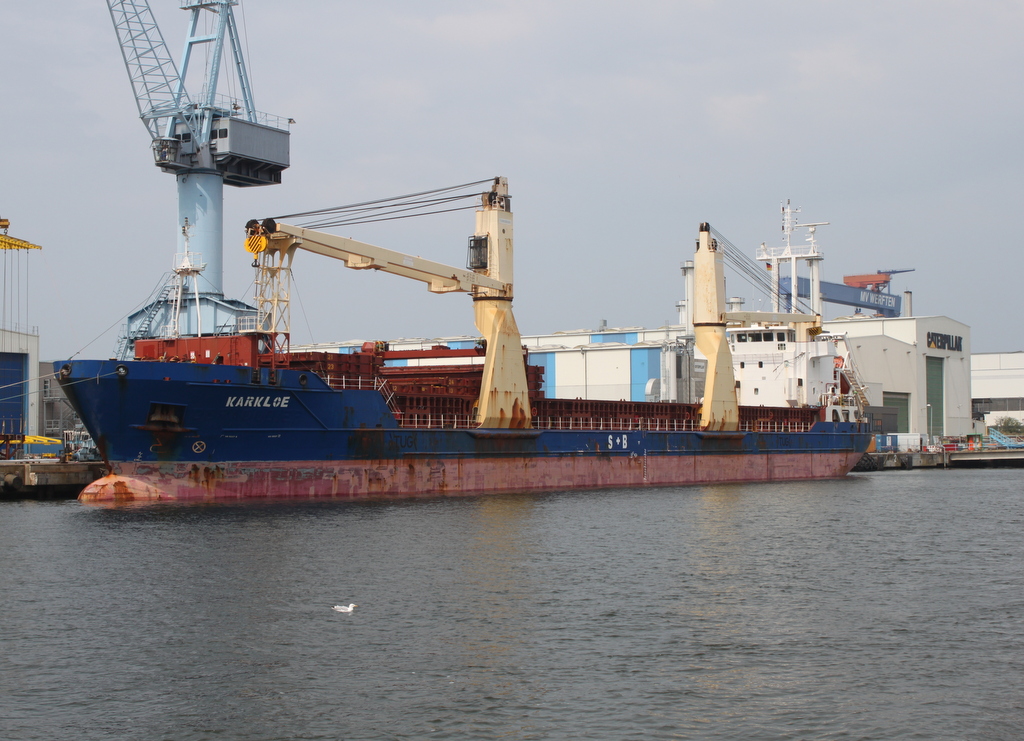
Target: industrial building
[(19, 383), (19, 343), (997, 385), (919, 366)]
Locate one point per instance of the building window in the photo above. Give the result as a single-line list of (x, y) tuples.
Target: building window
[(981, 406)]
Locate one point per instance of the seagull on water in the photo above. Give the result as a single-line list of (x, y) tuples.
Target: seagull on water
[(342, 608)]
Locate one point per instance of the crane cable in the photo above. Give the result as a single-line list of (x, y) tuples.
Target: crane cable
[(389, 209), (755, 275)]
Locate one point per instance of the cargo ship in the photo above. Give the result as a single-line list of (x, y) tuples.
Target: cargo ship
[(241, 416)]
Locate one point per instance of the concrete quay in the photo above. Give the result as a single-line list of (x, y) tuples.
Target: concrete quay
[(45, 478), (901, 461)]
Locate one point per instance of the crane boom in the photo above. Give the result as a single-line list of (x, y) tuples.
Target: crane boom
[(357, 255), (159, 91), (13, 243), (504, 394)]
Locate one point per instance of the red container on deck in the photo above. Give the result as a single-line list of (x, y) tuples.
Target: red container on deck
[(223, 349)]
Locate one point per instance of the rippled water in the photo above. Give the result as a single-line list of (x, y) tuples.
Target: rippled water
[(882, 606)]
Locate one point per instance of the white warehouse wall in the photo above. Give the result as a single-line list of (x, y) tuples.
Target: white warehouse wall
[(893, 352)]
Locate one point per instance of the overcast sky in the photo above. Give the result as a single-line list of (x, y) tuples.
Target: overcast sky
[(620, 127)]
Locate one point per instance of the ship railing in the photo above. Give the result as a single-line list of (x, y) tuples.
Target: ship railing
[(832, 398), (660, 425), (342, 383), (425, 420), (436, 421), (597, 424), (364, 383), (611, 424), (355, 383), (771, 425), (382, 385), (252, 323)]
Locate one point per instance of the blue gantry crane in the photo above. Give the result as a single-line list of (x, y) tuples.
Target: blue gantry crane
[(205, 140), (866, 292)]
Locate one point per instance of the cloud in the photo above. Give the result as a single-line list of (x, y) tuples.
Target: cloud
[(620, 127)]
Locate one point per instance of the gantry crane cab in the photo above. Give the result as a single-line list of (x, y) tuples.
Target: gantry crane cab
[(245, 153)]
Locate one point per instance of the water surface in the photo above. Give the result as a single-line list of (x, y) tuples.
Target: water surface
[(880, 606)]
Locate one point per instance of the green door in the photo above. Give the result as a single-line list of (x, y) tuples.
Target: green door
[(901, 403), (934, 395)]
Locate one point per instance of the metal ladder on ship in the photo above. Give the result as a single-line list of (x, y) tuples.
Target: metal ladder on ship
[(142, 330), (857, 386)]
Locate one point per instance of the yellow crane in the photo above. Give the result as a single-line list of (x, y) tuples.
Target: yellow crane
[(13, 243)]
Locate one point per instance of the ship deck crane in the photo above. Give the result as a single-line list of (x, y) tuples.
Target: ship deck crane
[(504, 395)]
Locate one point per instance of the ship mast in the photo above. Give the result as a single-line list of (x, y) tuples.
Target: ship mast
[(720, 410)]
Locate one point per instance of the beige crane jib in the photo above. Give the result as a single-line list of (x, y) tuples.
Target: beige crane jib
[(504, 398)]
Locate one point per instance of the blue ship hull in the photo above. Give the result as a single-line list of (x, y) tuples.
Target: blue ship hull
[(196, 431)]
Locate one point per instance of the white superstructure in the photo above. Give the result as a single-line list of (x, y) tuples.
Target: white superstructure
[(774, 367)]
